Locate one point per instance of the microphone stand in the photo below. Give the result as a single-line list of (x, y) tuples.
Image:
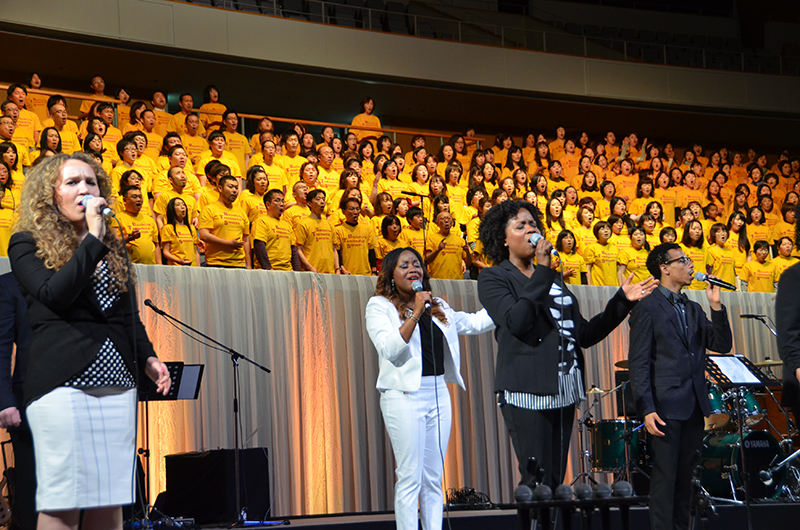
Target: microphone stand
[(235, 356)]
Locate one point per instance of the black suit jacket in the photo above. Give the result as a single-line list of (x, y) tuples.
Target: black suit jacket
[(667, 368), (69, 326), (787, 320), (14, 329), (527, 333)]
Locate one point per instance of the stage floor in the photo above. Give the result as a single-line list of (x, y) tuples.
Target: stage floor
[(764, 516)]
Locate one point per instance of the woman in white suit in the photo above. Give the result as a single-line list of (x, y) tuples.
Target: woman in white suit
[(418, 354)]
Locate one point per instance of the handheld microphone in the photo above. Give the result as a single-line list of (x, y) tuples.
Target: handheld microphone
[(752, 316), (107, 212), (416, 285), (149, 303), (411, 193), (699, 276), (535, 238)]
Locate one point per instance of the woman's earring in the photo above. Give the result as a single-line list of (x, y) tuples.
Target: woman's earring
[(393, 287)]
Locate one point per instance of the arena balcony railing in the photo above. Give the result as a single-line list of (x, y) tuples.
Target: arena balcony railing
[(566, 38)]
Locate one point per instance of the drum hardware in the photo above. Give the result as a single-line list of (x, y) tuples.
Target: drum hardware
[(586, 420)]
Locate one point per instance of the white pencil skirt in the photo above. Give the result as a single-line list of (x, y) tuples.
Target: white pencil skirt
[(85, 447)]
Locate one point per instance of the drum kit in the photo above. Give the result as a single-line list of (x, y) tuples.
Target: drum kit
[(748, 419)]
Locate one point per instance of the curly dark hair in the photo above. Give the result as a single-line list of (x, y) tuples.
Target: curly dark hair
[(385, 286), (493, 227)]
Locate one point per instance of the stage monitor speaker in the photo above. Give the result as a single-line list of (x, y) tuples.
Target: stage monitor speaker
[(621, 376), (201, 485)]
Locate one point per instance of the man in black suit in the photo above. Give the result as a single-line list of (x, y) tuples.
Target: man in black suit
[(668, 341), (787, 320), (14, 329)]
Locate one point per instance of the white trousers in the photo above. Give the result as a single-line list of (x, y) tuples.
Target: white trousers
[(419, 432)]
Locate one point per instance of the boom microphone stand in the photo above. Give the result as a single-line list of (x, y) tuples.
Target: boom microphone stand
[(235, 356)]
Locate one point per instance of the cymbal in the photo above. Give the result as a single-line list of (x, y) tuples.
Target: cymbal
[(623, 364), (595, 390), (768, 362)]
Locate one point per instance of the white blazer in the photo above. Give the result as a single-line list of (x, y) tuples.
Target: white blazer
[(401, 362)]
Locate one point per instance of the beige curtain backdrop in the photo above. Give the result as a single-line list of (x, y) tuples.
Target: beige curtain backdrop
[(317, 413)]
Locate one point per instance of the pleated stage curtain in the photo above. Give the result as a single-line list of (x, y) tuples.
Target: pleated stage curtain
[(318, 411)]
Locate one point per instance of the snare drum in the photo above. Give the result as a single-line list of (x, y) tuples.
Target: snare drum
[(719, 416), (608, 444)]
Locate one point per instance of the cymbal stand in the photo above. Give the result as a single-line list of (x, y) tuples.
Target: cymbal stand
[(585, 420)]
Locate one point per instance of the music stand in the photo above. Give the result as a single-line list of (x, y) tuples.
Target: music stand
[(186, 380), (733, 371)]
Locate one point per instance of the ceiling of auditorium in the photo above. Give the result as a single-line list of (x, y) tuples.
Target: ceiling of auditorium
[(297, 92)]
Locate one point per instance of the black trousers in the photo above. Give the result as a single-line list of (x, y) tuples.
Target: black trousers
[(675, 456), (540, 433), (23, 480)]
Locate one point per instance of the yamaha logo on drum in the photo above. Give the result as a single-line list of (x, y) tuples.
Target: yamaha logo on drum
[(756, 444)]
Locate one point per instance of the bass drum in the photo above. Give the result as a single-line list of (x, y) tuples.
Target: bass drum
[(721, 463)]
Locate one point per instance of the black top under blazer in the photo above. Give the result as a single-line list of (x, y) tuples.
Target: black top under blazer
[(69, 327), (667, 368), (527, 333)]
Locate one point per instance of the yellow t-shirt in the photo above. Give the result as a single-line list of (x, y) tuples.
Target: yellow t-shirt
[(182, 240), (583, 238), (226, 223), (365, 120), (154, 142), (572, 261), (237, 145), (458, 199), (276, 177), (384, 246), (252, 205), (316, 237), (160, 204), (685, 196), (757, 233), (448, 263), (296, 213), (328, 179), (195, 146), (781, 263), (412, 238), (290, 167), (279, 238), (603, 259), (395, 188), (217, 109), (354, 244), (760, 277), (6, 222), (142, 249), (668, 199), (69, 142), (699, 257), (227, 158), (635, 261), (722, 263), (177, 123)]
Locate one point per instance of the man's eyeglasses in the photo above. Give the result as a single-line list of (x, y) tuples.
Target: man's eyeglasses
[(684, 260)]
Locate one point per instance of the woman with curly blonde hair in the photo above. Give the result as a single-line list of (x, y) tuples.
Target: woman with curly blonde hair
[(418, 354), (80, 389)]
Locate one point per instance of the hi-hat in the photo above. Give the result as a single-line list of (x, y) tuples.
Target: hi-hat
[(768, 362), (595, 390), (623, 364)]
